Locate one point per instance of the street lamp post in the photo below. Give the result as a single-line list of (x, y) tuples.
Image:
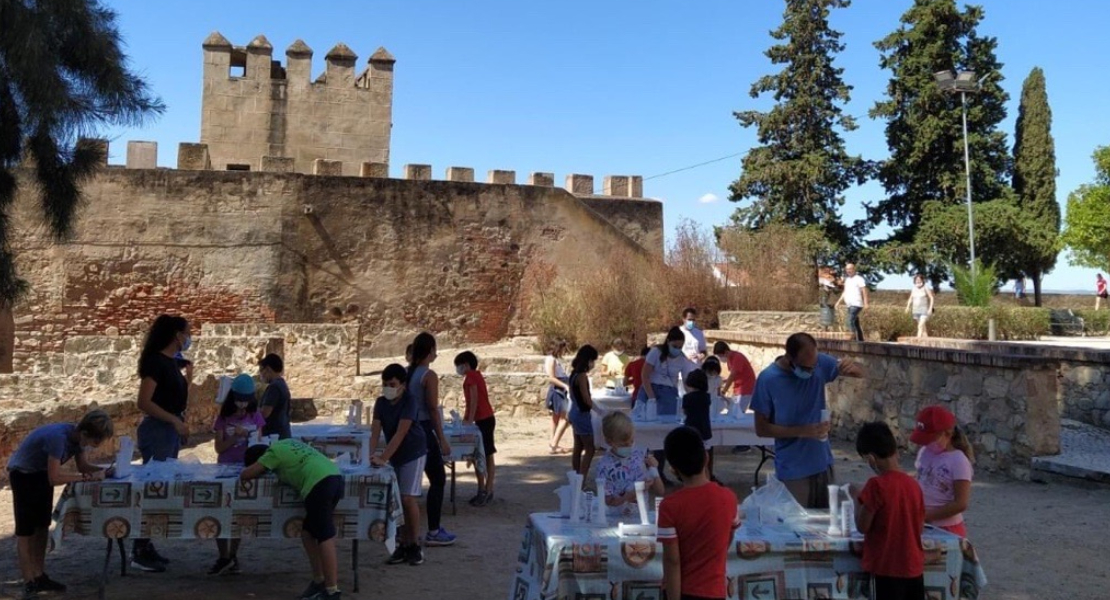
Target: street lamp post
[(963, 84)]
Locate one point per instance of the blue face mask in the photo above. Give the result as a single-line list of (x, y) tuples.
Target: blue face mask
[(623, 452), (674, 352), (689, 324), (801, 373), (187, 344)]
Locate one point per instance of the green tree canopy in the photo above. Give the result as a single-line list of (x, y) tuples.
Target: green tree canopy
[(1035, 183), (1087, 221), (924, 127), (62, 75), (799, 171)]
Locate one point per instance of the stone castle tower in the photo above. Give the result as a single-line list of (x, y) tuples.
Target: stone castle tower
[(254, 109)]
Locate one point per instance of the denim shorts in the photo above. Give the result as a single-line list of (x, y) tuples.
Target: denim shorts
[(158, 440)]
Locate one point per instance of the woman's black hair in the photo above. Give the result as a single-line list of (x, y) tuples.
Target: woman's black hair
[(582, 359), (674, 335), (467, 358), (422, 347), (228, 408), (163, 331)]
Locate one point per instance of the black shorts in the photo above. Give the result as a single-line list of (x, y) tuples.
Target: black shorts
[(32, 501), (319, 507), (898, 588), (486, 426)]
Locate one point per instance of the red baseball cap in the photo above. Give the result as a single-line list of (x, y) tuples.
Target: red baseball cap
[(931, 421)]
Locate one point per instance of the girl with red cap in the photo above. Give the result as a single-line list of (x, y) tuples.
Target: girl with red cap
[(943, 468)]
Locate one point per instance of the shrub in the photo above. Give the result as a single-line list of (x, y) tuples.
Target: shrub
[(689, 279), (771, 268), (975, 286), (888, 323), (1095, 322)]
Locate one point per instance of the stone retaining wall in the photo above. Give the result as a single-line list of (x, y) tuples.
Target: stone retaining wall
[(1006, 403), (1084, 376)]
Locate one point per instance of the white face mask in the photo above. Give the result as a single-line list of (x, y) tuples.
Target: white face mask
[(391, 393)]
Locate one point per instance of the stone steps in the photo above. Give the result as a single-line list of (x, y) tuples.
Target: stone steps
[(1084, 454)]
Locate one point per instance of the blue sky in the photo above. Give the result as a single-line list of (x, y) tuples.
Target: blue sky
[(611, 87)]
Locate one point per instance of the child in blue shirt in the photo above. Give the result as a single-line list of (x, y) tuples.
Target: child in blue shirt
[(33, 471)]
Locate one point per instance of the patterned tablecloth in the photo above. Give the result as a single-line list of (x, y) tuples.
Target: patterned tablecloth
[(333, 439), (191, 501), (564, 562)]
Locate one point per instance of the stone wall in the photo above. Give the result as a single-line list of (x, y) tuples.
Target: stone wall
[(1083, 393), (1006, 403), (396, 256), (510, 394), (761, 321), (100, 371)]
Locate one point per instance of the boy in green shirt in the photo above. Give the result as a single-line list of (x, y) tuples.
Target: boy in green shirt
[(318, 480)]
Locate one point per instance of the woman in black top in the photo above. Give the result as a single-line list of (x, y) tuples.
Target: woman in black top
[(163, 396)]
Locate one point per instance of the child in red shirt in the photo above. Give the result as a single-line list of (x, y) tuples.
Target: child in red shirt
[(696, 522), (890, 511), (480, 412), (633, 373)]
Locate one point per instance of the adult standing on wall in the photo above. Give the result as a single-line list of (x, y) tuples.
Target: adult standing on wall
[(788, 400), (423, 386), (856, 298), (276, 399), (163, 398), (558, 392)]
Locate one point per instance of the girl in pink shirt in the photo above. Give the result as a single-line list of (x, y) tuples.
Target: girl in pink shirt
[(944, 468)]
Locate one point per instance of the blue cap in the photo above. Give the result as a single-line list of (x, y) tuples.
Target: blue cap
[(243, 384)]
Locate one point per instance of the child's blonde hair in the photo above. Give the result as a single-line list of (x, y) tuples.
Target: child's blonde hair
[(97, 425), (961, 443), (617, 427)]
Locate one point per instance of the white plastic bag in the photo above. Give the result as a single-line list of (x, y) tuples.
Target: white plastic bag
[(773, 503)]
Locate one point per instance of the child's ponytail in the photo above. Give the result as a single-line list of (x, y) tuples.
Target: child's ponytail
[(961, 443)]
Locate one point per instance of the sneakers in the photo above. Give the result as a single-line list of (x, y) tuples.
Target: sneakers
[(399, 556), (314, 589), (439, 537), (415, 555), (154, 554), (234, 568), (479, 500), (46, 585), (31, 590), (223, 565), (144, 559)]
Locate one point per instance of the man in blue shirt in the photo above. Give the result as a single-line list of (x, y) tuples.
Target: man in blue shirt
[(788, 400)]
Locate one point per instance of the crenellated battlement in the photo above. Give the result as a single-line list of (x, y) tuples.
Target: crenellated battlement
[(253, 106), (195, 157)]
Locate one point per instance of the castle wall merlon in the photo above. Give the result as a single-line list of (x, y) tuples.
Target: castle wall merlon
[(501, 177), (540, 179), (340, 71), (418, 172), (142, 155), (463, 174), (259, 52), (298, 64)]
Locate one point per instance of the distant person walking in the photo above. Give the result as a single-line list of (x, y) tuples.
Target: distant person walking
[(1100, 290), (856, 298), (920, 304), (1019, 287)]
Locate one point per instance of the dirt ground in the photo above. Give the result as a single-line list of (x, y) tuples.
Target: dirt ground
[(1037, 541)]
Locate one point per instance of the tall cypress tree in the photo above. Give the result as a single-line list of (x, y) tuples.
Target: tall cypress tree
[(1035, 180), (798, 173), (924, 131)]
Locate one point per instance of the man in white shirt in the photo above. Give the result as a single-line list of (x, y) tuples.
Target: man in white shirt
[(695, 347), (856, 298)]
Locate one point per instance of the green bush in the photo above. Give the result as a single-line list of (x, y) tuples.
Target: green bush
[(888, 323), (1095, 322), (975, 286)]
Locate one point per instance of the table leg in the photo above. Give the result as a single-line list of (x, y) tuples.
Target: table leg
[(354, 563), (104, 573), (122, 558), (454, 506)]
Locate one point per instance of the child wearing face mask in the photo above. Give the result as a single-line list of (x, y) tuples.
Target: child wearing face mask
[(235, 425), (890, 512), (396, 414), (944, 468), (480, 412), (625, 464)]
